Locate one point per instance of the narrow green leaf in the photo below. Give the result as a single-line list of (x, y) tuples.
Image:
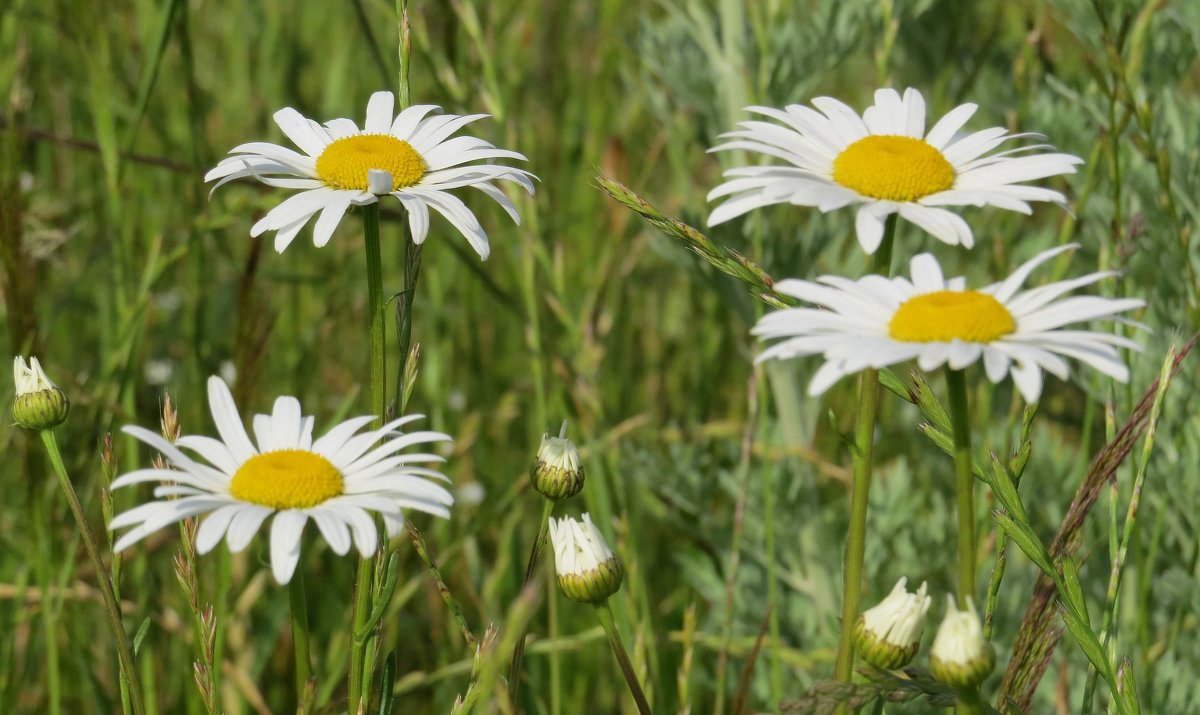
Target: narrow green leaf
[(140, 635)]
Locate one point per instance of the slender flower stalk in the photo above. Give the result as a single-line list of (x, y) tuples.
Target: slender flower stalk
[(604, 613), (124, 654), (363, 585), (514, 668), (864, 443), (300, 636), (964, 481)]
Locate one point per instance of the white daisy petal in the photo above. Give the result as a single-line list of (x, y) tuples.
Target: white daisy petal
[(297, 128), (869, 225), (330, 217), (334, 530), (297, 207), (941, 224), (995, 363), (214, 526), (286, 529), (948, 125), (406, 122), (245, 525), (926, 273), (379, 113), (341, 128), (824, 378), (914, 114), (284, 236), (456, 212), (1027, 376)]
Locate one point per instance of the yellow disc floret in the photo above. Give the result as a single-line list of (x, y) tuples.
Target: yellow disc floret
[(891, 168), (940, 317), (344, 163), (287, 479)]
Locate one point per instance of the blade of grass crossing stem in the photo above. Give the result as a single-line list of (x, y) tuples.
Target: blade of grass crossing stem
[(1108, 622)]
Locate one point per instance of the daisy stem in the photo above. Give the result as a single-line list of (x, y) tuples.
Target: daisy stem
[(604, 613), (965, 483), (300, 638), (956, 384), (514, 668), (864, 443), (366, 565), (124, 654)]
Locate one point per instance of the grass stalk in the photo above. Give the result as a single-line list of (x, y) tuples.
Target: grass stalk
[(514, 668), (298, 602), (124, 653)]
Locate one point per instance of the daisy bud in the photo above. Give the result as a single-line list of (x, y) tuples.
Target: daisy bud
[(557, 473), (888, 635), (39, 404), (960, 656), (588, 571)]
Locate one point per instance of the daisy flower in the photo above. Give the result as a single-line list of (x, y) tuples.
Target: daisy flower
[(410, 156), (336, 480), (884, 162), (876, 322)]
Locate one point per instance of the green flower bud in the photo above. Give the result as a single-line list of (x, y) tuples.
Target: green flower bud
[(588, 571), (960, 656), (888, 635), (557, 473), (39, 404)]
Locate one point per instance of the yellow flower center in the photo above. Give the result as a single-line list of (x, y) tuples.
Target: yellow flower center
[(892, 168), (344, 163), (940, 317), (287, 479)]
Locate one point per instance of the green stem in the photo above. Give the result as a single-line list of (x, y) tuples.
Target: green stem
[(864, 443), (300, 637), (404, 316), (422, 548), (964, 480), (366, 565), (124, 654), (220, 615), (514, 668), (50, 605), (956, 384), (604, 613)]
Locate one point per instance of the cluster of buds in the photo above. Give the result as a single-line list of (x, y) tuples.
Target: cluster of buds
[(587, 569), (888, 636), (556, 472), (39, 404)]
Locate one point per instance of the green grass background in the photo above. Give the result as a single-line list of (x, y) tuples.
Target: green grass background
[(724, 490)]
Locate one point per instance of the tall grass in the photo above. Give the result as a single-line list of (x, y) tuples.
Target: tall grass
[(725, 490)]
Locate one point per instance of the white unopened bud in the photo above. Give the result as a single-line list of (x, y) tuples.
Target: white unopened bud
[(889, 634), (39, 404), (588, 571), (556, 472), (960, 656)]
